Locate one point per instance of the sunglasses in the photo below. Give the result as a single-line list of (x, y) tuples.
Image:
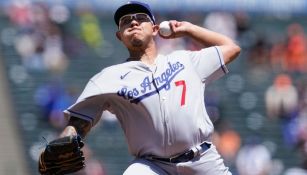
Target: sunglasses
[(139, 17)]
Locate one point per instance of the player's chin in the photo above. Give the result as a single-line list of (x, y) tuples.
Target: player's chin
[(135, 42)]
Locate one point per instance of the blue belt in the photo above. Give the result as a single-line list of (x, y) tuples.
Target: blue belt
[(184, 157)]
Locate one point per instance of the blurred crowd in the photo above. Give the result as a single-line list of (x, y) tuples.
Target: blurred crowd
[(48, 38), (44, 44)]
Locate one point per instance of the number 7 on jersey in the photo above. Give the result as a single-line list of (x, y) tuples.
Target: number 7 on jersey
[(182, 83)]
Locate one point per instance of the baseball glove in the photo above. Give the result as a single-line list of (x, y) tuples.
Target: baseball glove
[(62, 156)]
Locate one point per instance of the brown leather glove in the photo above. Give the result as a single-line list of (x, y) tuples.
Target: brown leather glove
[(62, 156)]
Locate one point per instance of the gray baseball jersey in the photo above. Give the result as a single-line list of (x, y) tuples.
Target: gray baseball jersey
[(160, 107)]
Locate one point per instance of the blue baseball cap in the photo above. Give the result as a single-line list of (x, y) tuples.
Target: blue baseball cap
[(133, 7)]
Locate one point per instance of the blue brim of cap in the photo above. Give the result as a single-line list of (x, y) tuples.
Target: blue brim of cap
[(130, 9)]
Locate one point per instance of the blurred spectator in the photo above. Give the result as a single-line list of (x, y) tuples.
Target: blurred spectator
[(91, 31), (53, 98), (26, 46), (290, 55), (281, 98), (59, 13), (227, 141), (254, 159), (19, 12), (221, 22), (296, 58)]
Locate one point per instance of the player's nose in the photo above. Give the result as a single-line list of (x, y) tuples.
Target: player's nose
[(134, 22)]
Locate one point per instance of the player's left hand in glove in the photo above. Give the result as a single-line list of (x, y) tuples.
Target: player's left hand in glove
[(62, 156)]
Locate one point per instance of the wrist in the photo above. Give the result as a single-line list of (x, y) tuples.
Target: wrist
[(68, 131), (191, 29)]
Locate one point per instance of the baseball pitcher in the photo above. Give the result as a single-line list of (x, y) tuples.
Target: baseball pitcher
[(158, 100)]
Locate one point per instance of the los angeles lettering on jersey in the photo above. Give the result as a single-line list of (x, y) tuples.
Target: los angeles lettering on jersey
[(148, 88)]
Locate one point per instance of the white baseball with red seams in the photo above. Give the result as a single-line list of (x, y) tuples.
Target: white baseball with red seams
[(165, 28)]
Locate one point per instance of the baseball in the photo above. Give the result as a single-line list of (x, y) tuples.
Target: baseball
[(165, 29)]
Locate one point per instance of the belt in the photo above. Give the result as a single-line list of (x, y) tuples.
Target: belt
[(184, 157)]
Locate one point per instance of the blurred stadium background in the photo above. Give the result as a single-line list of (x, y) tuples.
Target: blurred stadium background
[(49, 50)]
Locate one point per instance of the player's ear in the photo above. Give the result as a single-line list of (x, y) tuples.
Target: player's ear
[(118, 35), (155, 29)]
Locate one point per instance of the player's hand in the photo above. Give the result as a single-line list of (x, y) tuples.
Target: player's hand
[(179, 29)]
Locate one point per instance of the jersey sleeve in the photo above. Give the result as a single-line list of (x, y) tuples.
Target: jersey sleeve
[(89, 105), (209, 63)]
